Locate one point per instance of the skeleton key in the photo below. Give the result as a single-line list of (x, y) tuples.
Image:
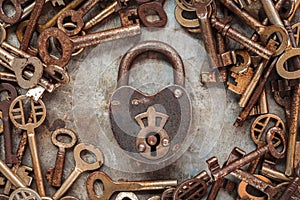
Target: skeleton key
[(192, 189), (110, 187), (259, 182), (204, 11), (38, 115), (132, 28), (76, 17), (81, 166), (54, 175), (17, 166), (269, 147), (18, 65), (293, 186), (10, 158)]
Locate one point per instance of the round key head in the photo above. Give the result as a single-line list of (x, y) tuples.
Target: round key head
[(168, 194), (275, 134), (126, 196), (24, 194), (82, 164), (191, 189), (64, 132), (75, 18), (260, 126), (17, 112), (17, 14)]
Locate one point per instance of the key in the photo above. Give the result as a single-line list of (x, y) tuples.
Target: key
[(24, 194), (269, 147), (18, 65), (293, 186), (194, 188), (20, 154), (262, 30), (204, 12), (110, 187), (146, 9), (241, 81), (54, 176), (76, 17), (80, 167), (10, 157), (38, 115), (35, 14), (78, 42), (259, 182)]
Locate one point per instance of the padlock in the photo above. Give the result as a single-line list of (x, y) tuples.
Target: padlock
[(151, 127)]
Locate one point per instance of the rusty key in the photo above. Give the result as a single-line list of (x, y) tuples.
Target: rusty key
[(54, 176), (68, 44), (110, 187), (273, 133), (10, 158)]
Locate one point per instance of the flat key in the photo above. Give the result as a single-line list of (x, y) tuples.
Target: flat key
[(110, 187), (131, 28), (76, 17), (38, 115), (10, 157), (273, 134), (80, 167), (54, 176)]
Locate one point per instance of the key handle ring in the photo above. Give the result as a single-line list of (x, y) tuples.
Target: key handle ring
[(67, 132), (107, 182), (272, 147), (12, 92), (25, 193), (17, 107), (17, 15), (75, 17), (194, 188), (81, 164), (282, 59)]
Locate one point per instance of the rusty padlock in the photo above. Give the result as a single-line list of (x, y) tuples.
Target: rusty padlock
[(150, 127)]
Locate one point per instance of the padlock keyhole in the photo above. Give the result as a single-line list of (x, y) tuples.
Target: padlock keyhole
[(153, 140)]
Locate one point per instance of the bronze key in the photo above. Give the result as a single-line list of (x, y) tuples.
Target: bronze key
[(10, 158), (269, 147), (54, 175), (131, 28), (76, 17), (38, 114), (110, 187)]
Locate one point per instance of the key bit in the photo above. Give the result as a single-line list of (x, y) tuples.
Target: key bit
[(58, 2), (242, 80)]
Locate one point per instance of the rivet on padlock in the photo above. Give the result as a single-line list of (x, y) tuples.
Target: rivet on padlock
[(150, 127)]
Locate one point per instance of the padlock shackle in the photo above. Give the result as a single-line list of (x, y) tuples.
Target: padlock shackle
[(155, 46)]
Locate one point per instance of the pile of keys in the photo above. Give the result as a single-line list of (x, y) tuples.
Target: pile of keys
[(39, 65)]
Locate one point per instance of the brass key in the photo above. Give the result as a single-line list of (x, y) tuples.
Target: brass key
[(54, 175), (81, 166), (68, 44), (110, 187), (76, 17), (38, 114)]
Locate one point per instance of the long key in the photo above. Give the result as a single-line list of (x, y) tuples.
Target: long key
[(81, 166), (20, 153), (131, 28), (38, 114), (110, 187), (76, 17), (273, 192), (272, 135), (54, 175), (10, 158), (17, 65)]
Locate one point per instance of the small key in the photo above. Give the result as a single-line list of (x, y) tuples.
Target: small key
[(132, 28), (81, 166), (38, 115), (259, 182), (54, 176), (273, 134), (110, 187), (293, 186), (10, 157), (18, 65), (76, 17), (192, 189)]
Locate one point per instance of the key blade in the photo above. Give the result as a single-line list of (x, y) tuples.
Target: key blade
[(152, 185)]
